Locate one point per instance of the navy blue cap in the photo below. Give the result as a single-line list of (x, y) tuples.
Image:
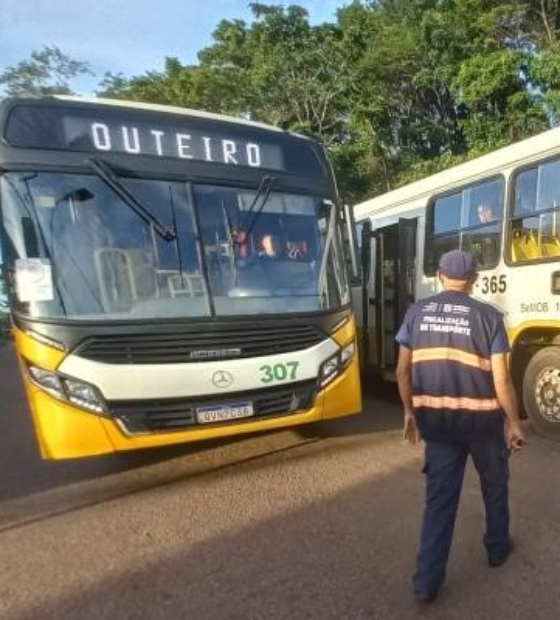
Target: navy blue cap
[(458, 265)]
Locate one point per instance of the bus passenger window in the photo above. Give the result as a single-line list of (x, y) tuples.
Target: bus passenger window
[(469, 219), (534, 228)]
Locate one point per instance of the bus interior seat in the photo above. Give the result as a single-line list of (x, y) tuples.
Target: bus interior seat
[(189, 284), (550, 246), (525, 245), (124, 275)]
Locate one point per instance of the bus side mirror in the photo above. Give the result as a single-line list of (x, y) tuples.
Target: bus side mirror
[(366, 249), (3, 300), (351, 241), (6, 288)]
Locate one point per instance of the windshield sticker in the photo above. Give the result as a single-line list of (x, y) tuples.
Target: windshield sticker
[(34, 279), (45, 202)]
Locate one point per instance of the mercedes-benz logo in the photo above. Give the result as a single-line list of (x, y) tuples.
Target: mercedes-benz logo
[(222, 379)]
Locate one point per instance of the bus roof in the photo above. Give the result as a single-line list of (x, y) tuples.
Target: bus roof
[(526, 151), (157, 107)]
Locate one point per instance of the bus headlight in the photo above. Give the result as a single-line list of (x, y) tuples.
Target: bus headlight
[(47, 380), (329, 370), (83, 395), (334, 365), (347, 353), (77, 392)]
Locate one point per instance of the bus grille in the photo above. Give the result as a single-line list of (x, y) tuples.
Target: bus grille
[(175, 414), (202, 346)]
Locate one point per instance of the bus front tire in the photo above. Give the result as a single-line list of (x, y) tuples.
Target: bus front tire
[(541, 392)]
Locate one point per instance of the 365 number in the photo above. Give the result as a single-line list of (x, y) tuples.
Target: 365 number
[(278, 372), (493, 284)]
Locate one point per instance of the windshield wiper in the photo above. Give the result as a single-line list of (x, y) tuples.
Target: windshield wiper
[(262, 194), (108, 176)]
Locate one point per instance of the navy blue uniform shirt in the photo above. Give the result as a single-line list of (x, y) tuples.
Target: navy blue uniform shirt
[(452, 337)]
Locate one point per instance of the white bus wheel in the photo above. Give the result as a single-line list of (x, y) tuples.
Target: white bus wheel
[(541, 392)]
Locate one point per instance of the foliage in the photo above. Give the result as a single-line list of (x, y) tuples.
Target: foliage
[(545, 71), (48, 72)]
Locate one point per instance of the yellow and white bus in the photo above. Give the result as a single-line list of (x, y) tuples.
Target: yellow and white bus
[(146, 306), (505, 208)]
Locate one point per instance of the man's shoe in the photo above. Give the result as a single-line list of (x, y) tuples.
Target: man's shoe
[(422, 595), (497, 560)]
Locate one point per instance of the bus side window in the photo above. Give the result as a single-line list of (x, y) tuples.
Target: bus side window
[(535, 225), (470, 219), (548, 234)]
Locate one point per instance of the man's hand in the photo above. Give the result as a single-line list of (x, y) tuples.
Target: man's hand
[(404, 369), (410, 432), (515, 437)]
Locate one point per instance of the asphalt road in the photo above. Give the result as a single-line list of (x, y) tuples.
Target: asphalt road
[(321, 524)]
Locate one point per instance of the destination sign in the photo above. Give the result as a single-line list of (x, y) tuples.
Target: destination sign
[(181, 143), (106, 129)]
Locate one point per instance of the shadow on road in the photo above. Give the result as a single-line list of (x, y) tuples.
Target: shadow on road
[(310, 547), (23, 472)]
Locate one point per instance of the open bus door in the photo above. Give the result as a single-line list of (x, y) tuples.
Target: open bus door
[(388, 285)]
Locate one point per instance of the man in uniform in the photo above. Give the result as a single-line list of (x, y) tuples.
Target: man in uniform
[(458, 397)]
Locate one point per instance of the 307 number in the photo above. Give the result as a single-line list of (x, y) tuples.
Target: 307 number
[(493, 284), (278, 372)]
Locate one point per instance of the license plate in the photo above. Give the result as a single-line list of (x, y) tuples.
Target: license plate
[(221, 413)]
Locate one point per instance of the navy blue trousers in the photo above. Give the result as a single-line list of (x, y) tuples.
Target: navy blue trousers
[(445, 468)]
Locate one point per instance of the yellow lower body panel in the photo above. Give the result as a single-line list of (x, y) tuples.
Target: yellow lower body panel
[(66, 432), (344, 394)]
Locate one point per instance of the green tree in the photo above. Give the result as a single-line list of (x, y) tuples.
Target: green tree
[(297, 74), (494, 84), (186, 86), (288, 73), (279, 70), (402, 110), (444, 81), (396, 89), (48, 72)]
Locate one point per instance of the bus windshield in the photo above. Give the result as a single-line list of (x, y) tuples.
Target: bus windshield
[(75, 249)]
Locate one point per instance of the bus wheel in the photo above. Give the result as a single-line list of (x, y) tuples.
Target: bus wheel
[(541, 392)]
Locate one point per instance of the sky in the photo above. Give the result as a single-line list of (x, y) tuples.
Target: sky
[(125, 36)]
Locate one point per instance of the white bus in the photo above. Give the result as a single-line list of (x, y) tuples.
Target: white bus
[(505, 208)]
